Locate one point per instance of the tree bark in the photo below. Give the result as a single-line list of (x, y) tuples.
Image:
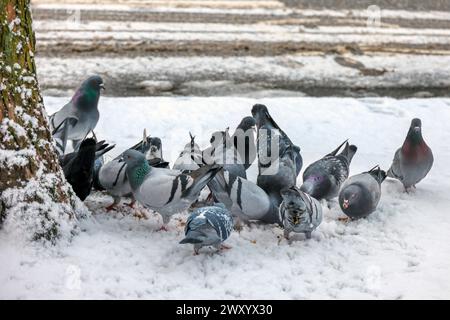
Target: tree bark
[(34, 195)]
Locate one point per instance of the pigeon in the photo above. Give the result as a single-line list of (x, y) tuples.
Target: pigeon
[(323, 178), (165, 191), (190, 158), (79, 117), (222, 152), (243, 198), (278, 168), (299, 212), (208, 226), (112, 177), (360, 194), (100, 149), (244, 141), (79, 170), (414, 159)]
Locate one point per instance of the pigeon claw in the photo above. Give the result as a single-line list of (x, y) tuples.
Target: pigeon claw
[(111, 207), (225, 247), (163, 228)]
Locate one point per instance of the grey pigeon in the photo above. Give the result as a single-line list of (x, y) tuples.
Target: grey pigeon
[(323, 178), (276, 172), (78, 117), (414, 159), (208, 226), (299, 212), (190, 158), (163, 190), (360, 194), (222, 152), (243, 198), (112, 177), (244, 141)]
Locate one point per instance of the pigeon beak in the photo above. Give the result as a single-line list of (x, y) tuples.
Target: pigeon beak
[(345, 204), (102, 86), (416, 129)]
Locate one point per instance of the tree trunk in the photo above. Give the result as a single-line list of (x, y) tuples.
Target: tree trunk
[(35, 199)]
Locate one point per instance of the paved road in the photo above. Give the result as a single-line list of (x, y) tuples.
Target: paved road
[(330, 35)]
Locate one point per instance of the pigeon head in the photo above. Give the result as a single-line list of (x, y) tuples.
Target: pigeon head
[(218, 138), (137, 167), (294, 206), (155, 144), (355, 201), (247, 123), (93, 83), (415, 131), (88, 94), (316, 186), (133, 158), (261, 115)]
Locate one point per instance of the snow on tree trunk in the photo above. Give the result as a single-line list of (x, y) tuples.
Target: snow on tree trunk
[(35, 199)]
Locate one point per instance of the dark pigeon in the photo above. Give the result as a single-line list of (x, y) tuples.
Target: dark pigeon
[(288, 163), (79, 170), (360, 194), (323, 178)]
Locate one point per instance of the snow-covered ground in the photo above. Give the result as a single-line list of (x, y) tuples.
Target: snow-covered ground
[(402, 251)]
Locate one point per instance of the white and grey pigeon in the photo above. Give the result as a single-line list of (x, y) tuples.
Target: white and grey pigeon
[(244, 141), (112, 177), (208, 226), (79, 117), (165, 191), (299, 212), (190, 158), (278, 168), (322, 179), (414, 159), (243, 198), (360, 194), (222, 152)]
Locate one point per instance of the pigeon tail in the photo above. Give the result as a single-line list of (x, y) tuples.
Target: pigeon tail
[(378, 174), (335, 151), (202, 177), (100, 153), (190, 239)]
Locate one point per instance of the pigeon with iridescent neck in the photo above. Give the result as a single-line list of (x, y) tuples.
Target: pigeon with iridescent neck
[(323, 178), (111, 175), (163, 190), (78, 117), (360, 194), (414, 159)]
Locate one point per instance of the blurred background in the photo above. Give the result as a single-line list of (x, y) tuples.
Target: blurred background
[(257, 48)]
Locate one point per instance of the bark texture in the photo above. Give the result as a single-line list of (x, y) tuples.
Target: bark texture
[(34, 196)]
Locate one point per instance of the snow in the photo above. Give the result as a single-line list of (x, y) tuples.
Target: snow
[(400, 252)]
